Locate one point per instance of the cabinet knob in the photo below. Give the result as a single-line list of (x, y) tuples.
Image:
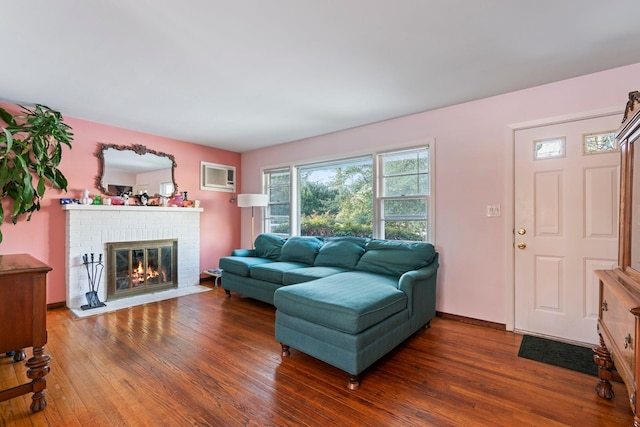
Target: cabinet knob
[(627, 341), (605, 306)]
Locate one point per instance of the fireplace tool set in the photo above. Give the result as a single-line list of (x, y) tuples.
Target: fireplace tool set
[(94, 270)]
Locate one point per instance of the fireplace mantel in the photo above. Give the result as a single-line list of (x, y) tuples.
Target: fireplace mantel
[(90, 227), (131, 208)]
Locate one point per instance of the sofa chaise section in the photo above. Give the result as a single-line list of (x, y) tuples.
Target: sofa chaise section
[(352, 319)]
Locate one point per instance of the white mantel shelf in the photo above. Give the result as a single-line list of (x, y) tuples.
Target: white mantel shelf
[(148, 209)]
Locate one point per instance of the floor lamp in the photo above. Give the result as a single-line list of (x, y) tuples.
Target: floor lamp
[(252, 201)]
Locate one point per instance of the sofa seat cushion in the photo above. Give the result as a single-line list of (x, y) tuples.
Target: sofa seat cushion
[(349, 302), (241, 265), (301, 275), (273, 271)]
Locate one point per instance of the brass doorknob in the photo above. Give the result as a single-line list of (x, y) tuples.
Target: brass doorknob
[(522, 245), (522, 231)]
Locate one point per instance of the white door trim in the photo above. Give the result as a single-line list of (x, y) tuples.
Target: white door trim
[(509, 196)]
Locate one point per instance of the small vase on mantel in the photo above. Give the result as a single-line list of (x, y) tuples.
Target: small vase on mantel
[(177, 200), (85, 199)]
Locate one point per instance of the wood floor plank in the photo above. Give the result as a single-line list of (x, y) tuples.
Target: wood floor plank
[(209, 360)]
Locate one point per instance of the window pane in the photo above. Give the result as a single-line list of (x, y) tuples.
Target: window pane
[(406, 162), (600, 143), (278, 189), (405, 173), (278, 226), (406, 185), (406, 230), (404, 209), (549, 148), (336, 199), (279, 210)]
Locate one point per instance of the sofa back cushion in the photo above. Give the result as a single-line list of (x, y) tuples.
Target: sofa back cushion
[(301, 249), (344, 252), (395, 258), (269, 246)]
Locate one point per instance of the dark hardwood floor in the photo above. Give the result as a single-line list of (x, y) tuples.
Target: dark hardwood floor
[(204, 360)]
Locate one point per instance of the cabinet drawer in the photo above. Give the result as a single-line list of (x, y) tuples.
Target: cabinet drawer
[(621, 324)]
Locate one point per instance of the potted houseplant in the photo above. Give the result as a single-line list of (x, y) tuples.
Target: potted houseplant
[(30, 152)]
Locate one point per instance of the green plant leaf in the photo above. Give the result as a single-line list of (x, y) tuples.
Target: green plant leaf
[(41, 187), (8, 139), (6, 117), (31, 148)]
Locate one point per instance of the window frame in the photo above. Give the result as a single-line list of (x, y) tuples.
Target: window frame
[(267, 187), (378, 198), (381, 198)]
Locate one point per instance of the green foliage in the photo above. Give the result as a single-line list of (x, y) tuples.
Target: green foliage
[(30, 149), (326, 226), (338, 201)]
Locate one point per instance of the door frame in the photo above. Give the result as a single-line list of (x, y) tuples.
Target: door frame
[(509, 196)]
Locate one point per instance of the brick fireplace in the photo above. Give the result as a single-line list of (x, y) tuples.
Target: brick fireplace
[(89, 228)]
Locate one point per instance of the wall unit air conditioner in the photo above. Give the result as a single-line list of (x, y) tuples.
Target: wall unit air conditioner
[(215, 177)]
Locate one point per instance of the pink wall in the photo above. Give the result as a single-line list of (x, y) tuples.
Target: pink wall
[(473, 142), (44, 236)]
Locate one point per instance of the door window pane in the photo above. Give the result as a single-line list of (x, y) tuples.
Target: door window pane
[(600, 143), (549, 148)]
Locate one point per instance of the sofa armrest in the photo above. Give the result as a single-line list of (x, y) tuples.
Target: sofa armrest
[(420, 288), (243, 252)]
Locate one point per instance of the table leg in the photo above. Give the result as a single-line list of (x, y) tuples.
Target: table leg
[(38, 369)]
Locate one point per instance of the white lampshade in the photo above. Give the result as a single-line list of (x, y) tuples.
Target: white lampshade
[(251, 200)]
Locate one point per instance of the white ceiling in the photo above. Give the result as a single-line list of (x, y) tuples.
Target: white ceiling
[(243, 74)]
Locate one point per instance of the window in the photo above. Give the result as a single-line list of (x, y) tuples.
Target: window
[(277, 184), (597, 143), (404, 192), (548, 148), (382, 195), (336, 198)]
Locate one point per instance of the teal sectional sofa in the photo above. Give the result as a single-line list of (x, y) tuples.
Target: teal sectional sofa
[(344, 300)]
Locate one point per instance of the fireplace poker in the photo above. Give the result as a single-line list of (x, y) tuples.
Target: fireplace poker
[(100, 265)]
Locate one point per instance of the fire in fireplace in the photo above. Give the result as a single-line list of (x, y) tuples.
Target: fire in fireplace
[(135, 268)]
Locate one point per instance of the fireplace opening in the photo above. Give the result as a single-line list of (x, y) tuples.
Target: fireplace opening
[(135, 268)]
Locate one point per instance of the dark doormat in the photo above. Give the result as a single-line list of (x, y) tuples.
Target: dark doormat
[(558, 353)]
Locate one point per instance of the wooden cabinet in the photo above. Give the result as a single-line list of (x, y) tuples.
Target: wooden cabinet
[(619, 312), (23, 321)]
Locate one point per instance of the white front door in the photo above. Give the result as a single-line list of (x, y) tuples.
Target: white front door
[(566, 226)]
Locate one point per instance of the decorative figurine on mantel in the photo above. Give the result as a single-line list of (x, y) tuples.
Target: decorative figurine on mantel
[(85, 199), (125, 198), (143, 198), (176, 201)]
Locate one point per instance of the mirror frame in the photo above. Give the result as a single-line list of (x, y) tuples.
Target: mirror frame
[(138, 149)]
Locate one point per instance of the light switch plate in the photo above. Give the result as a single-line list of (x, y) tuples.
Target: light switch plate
[(493, 210)]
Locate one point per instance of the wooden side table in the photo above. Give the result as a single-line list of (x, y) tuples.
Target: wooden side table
[(23, 321)]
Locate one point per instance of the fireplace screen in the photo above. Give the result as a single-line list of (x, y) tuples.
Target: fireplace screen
[(140, 267)]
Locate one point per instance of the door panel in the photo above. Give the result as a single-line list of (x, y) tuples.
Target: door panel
[(566, 221)]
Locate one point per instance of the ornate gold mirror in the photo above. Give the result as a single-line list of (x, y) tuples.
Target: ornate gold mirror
[(136, 169)]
